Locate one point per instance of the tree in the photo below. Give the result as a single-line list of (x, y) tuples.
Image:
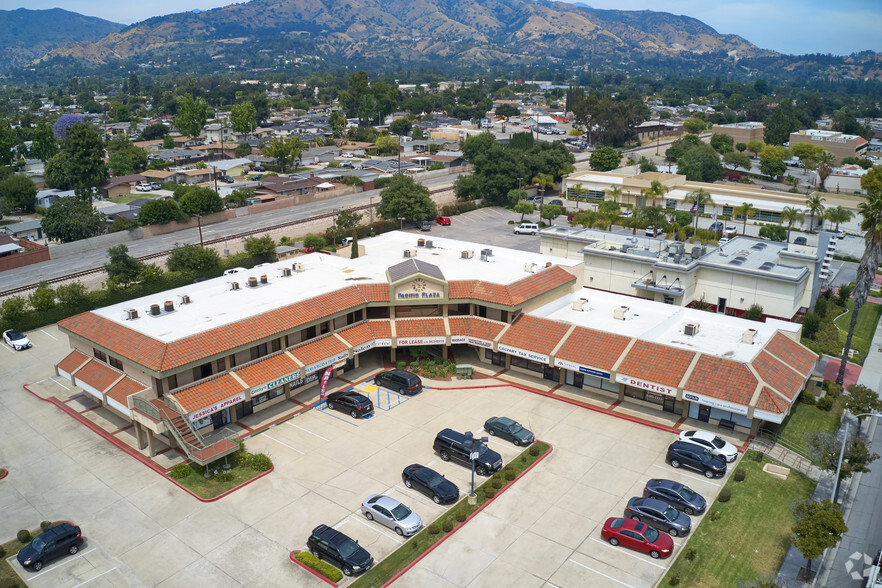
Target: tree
[(694, 125), (815, 205), (284, 150), (242, 150), (154, 132), (780, 123), (17, 192), (838, 214), (860, 400), (585, 218), (159, 212), (655, 190), (790, 215), (507, 110), (84, 159), (871, 182), (405, 199), (192, 258), (722, 142), (124, 158), (654, 216), (825, 161), (64, 122), (646, 165), (71, 294), (42, 298), (13, 308), (700, 163), (191, 116), (523, 208), (824, 449), (346, 221), (353, 247), (755, 146), (168, 142), (475, 146), (72, 219), (337, 121), (386, 144), (736, 160), (400, 126), (773, 232), (741, 147), (260, 247), (772, 167), (123, 269), (699, 198), (550, 212), (44, 145), (543, 182), (243, 117), (746, 210), (239, 196), (198, 200), (819, 525), (605, 159)]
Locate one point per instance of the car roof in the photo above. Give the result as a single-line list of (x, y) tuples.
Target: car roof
[(385, 501), (652, 503), (503, 420), (662, 483), (688, 446)]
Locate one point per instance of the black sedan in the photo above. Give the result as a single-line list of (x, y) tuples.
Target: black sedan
[(678, 495), (357, 405), (660, 515), (430, 483)]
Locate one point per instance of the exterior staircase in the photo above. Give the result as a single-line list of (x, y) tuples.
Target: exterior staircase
[(193, 444), (787, 457)]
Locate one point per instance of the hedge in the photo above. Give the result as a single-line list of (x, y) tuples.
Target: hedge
[(314, 563)]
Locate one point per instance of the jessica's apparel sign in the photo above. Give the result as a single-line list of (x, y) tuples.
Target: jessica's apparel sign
[(219, 406)]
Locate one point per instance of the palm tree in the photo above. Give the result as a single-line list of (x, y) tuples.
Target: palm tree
[(791, 215), (837, 215), (654, 216), (655, 190), (815, 205), (871, 211), (825, 161), (699, 198), (746, 209), (614, 193), (543, 181)]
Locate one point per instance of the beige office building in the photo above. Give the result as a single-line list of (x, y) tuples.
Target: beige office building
[(839, 144), (742, 132)]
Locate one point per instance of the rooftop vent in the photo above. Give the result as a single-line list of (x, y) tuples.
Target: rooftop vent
[(169, 306), (410, 253), (234, 285), (429, 244), (767, 266), (131, 314), (621, 312), (468, 254), (530, 268), (252, 282), (297, 267), (759, 246), (154, 309), (263, 279), (748, 336), (691, 329), (580, 304), (286, 272), (486, 253), (421, 242)]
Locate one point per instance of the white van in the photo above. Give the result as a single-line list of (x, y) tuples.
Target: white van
[(530, 228)]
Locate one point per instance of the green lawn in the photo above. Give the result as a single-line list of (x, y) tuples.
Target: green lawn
[(807, 417), (751, 535), (126, 198), (868, 319)]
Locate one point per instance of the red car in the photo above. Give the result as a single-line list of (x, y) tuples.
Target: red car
[(443, 220), (636, 535)]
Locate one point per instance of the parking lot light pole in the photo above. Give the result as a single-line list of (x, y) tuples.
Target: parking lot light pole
[(473, 455)]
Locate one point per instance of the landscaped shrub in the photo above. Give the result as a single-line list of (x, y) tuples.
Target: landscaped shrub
[(740, 474), (224, 477), (509, 474), (715, 516), (401, 364), (447, 526), (180, 471), (24, 536), (8, 583), (461, 515), (689, 554), (825, 403), (534, 451), (674, 580), (260, 462), (753, 455), (725, 495), (2, 552), (496, 483), (807, 397), (433, 529), (489, 492), (45, 525), (326, 570)]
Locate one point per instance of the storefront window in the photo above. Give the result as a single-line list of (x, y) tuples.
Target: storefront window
[(602, 383), (268, 395), (527, 364)]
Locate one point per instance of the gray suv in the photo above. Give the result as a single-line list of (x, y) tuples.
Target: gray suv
[(452, 445)]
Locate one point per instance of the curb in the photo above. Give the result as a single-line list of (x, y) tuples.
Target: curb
[(133, 453), (470, 517), (3, 473), (309, 569)]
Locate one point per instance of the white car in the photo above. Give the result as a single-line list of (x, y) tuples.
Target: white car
[(717, 446), (16, 339), (144, 187), (347, 156), (723, 241), (731, 230)]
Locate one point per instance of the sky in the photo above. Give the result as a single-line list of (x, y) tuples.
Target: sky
[(788, 26)]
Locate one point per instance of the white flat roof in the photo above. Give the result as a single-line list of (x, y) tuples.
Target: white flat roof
[(718, 334), (213, 304)]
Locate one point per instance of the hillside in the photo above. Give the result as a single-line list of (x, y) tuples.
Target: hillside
[(30, 34), (409, 32)]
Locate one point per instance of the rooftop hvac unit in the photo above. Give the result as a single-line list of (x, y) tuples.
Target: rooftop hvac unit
[(580, 304), (286, 272), (252, 282), (169, 306), (677, 258), (486, 253), (421, 242), (468, 254), (429, 244), (264, 280), (184, 298), (696, 251), (691, 329), (410, 253), (131, 314), (234, 285), (748, 336), (626, 248), (620, 312), (154, 309), (548, 264), (298, 267), (529, 267)]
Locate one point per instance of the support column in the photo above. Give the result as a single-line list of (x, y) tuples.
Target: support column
[(151, 443), (139, 433)]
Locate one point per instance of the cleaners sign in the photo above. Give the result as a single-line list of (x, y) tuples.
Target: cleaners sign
[(651, 386), (275, 383), (195, 416)]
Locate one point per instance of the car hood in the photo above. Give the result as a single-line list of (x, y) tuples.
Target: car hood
[(664, 541), (683, 521), (411, 520), (360, 558), (447, 489), (27, 553), (698, 502), (524, 435)]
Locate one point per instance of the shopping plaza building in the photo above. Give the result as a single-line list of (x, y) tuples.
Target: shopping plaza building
[(182, 363)]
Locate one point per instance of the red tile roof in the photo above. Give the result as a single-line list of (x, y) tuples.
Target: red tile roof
[(801, 358), (266, 370), (778, 375), (475, 327), (73, 361), (208, 393), (514, 294), (97, 375), (318, 349), (420, 327), (357, 334), (593, 348), (534, 334), (722, 378), (771, 402), (374, 292), (125, 388), (119, 339), (656, 363)]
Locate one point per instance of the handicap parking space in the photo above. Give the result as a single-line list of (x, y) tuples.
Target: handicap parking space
[(91, 566)]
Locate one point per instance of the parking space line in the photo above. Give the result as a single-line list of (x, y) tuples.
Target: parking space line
[(394, 536), (308, 431), (625, 552), (601, 574), (701, 478), (65, 562), (59, 383), (333, 416), (95, 578), (418, 494), (48, 335), (283, 443)]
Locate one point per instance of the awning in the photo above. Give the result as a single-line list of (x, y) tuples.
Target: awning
[(325, 186)]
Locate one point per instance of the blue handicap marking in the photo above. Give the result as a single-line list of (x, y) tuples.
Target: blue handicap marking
[(367, 417)]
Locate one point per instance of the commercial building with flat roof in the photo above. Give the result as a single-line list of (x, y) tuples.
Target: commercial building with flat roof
[(742, 132), (190, 360), (839, 144)]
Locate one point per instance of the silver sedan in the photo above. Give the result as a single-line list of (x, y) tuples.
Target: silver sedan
[(391, 513)]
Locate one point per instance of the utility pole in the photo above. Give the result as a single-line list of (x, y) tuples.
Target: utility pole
[(371, 209)]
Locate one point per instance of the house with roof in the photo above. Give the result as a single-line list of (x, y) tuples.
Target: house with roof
[(121, 185)]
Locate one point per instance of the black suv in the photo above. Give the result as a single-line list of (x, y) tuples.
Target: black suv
[(357, 405), (696, 457), (404, 382), (51, 543), (453, 445), (327, 543)]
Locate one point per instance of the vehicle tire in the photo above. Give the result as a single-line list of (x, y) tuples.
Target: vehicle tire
[(331, 405), (709, 474), (654, 554), (408, 483), (675, 463), (37, 565), (401, 391), (481, 470), (437, 499), (635, 517), (445, 456), (315, 553), (353, 414), (369, 516), (73, 549), (613, 541), (673, 533), (400, 531), (517, 443), (688, 510), (347, 571), (533, 233)]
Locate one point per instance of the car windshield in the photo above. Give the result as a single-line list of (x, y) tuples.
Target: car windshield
[(687, 493), (718, 443), (15, 335), (707, 455), (671, 513), (400, 512), (435, 481), (347, 547), (651, 534), (38, 543), (515, 428)]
